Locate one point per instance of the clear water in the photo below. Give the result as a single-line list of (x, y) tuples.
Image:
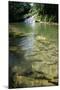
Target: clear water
[(36, 50)]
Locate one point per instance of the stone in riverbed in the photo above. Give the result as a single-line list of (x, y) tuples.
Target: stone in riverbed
[(40, 38)]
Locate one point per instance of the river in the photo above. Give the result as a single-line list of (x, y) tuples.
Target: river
[(35, 52)]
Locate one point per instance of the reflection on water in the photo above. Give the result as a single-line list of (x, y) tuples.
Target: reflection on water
[(27, 43), (34, 51)]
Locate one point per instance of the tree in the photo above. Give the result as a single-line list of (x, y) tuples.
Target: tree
[(17, 10), (50, 10)]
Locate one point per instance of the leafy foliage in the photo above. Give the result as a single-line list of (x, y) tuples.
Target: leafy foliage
[(17, 11), (49, 10)]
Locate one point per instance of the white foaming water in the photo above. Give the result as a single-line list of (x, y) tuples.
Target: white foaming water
[(30, 20)]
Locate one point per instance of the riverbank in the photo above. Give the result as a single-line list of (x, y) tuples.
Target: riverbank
[(40, 21), (45, 20), (37, 20), (50, 23)]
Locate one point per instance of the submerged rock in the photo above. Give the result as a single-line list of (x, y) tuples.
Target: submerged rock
[(40, 38)]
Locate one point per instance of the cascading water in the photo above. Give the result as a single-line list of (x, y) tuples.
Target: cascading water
[(30, 20)]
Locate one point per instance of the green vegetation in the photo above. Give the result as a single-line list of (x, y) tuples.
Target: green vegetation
[(19, 11), (47, 12)]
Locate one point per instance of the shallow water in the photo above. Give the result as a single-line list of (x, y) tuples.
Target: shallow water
[(34, 52)]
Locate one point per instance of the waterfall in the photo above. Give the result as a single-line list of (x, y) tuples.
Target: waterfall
[(30, 20)]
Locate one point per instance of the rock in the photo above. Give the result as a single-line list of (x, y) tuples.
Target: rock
[(40, 38)]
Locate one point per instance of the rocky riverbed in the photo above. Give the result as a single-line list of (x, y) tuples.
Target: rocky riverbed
[(39, 64)]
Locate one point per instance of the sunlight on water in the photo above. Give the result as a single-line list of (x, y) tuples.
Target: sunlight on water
[(29, 41), (34, 53)]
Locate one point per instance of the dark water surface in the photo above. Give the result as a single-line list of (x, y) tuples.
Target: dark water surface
[(34, 53)]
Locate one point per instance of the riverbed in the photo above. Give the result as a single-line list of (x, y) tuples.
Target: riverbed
[(33, 54)]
